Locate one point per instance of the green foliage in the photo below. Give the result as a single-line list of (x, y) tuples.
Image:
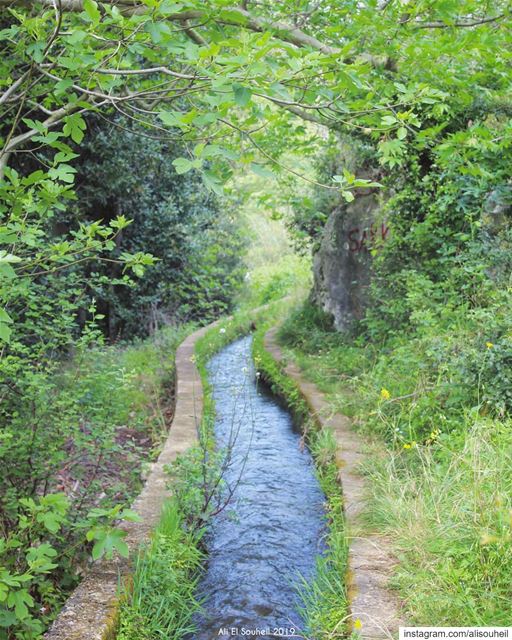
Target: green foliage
[(421, 90), (233, 85), (289, 275), (73, 443), (197, 251), (197, 480), (40, 554), (440, 487), (280, 384), (161, 601), (341, 154)]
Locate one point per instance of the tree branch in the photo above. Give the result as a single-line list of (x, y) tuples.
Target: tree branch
[(8, 92), (194, 36), (51, 121), (164, 70), (472, 23), (287, 32)]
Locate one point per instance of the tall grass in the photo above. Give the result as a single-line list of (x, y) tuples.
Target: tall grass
[(448, 511), (162, 602), (325, 598), (439, 472)]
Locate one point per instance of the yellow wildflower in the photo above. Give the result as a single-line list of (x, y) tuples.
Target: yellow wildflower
[(407, 445), (357, 624), (489, 345), (384, 394)]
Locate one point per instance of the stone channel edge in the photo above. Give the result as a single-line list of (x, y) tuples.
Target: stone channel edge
[(91, 611), (371, 562)]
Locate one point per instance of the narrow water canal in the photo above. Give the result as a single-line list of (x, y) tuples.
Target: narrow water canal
[(271, 532)]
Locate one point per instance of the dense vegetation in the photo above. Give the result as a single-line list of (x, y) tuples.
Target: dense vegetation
[(121, 122), (196, 250), (428, 370)]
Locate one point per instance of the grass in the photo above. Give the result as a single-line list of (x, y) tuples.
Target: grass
[(439, 469), (162, 602), (325, 600), (449, 512)]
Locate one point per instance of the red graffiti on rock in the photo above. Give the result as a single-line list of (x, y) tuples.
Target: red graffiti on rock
[(367, 238)]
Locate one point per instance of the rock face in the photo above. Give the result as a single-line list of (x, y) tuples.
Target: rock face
[(342, 265)]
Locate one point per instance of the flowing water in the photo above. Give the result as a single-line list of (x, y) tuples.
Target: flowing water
[(270, 534)]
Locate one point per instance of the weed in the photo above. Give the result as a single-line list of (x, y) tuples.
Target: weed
[(162, 602)]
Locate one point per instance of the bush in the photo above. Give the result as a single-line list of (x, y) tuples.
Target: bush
[(75, 439), (268, 283), (197, 244)]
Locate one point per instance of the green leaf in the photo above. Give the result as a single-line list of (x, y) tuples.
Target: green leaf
[(122, 548), (242, 94), (262, 170), (8, 257), (7, 272), (216, 151), (171, 118), (92, 11), (130, 515), (158, 31), (7, 618), (51, 521), (213, 182), (232, 16), (182, 165), (109, 541), (120, 222), (74, 126), (5, 332), (63, 172), (388, 121), (19, 600), (5, 317)]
